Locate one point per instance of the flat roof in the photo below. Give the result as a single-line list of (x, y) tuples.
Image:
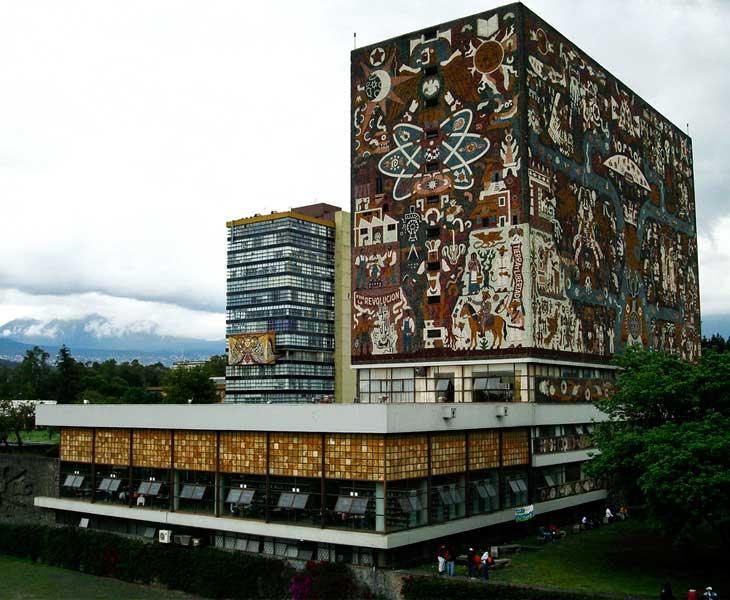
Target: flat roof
[(317, 418)]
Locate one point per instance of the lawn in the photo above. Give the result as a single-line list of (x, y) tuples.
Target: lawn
[(24, 580), (45, 436), (623, 558)]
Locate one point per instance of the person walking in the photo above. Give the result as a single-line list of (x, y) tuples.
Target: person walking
[(487, 562), (470, 562), (450, 561), (666, 593), (709, 594), (441, 559)]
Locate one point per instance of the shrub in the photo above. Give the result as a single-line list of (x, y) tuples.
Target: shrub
[(203, 571), (431, 588)]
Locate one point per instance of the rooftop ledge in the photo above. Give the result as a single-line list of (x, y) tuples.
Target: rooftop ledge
[(323, 418)]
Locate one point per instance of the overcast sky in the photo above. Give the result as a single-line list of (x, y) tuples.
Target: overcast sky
[(130, 132)]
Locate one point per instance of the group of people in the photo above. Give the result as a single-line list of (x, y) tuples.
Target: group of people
[(667, 594), (550, 533), (477, 563), (610, 516)]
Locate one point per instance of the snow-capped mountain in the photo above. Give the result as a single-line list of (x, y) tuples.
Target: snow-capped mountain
[(95, 337)]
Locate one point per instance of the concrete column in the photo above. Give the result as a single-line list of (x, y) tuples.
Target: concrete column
[(175, 491), (380, 507), (424, 489)]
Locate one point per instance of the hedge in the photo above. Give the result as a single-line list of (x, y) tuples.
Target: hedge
[(432, 588), (202, 571)]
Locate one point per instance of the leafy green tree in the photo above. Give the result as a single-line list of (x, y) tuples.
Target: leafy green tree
[(68, 377), (35, 376), (183, 385), (215, 366), (15, 417), (667, 443)]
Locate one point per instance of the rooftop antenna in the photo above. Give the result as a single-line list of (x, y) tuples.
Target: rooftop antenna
[(354, 40)]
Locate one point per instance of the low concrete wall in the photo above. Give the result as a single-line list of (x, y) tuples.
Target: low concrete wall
[(22, 478), (382, 582)]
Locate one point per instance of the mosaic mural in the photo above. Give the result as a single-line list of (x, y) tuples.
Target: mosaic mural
[(612, 210), (508, 193), (439, 260)]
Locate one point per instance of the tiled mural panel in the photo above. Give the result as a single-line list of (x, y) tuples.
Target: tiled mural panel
[(112, 447), (76, 444), (295, 454), (406, 456), (195, 450), (242, 452), (515, 447), (448, 453), (440, 247), (483, 449), (151, 448), (612, 210), (360, 457)]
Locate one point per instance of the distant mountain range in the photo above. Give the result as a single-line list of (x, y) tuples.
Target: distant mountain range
[(712, 324), (96, 338)]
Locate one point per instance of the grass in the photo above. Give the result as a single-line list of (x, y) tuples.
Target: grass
[(44, 436), (623, 558), (24, 580)]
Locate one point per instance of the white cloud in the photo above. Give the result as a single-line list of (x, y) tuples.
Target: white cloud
[(123, 314), (130, 132), (714, 251)]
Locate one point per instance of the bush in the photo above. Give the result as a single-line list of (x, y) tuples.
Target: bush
[(202, 571), (431, 588)]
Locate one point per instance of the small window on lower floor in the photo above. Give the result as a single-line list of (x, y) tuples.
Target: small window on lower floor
[(434, 299)]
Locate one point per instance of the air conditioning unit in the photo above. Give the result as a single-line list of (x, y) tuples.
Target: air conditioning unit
[(448, 412), (501, 411), (164, 536)]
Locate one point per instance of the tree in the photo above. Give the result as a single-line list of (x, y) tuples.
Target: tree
[(15, 417), (68, 377), (35, 374), (215, 366), (182, 385), (667, 443)]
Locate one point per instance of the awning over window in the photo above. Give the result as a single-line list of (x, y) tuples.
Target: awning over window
[(240, 496), (149, 488), (73, 481), (292, 500), (192, 491), (444, 385)]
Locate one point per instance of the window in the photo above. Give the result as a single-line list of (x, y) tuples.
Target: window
[(292, 500), (432, 166), (434, 300), (412, 503), (502, 221), (150, 488), (379, 184), (432, 133), (433, 333), (109, 484), (193, 492), (502, 201), (240, 496), (352, 505), (433, 266), (73, 481), (432, 200), (433, 233), (429, 34), (432, 69)]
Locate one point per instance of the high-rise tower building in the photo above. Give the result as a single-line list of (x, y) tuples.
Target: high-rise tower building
[(518, 216), (280, 306)]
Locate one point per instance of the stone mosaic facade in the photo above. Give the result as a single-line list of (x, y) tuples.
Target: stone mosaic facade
[(511, 196)]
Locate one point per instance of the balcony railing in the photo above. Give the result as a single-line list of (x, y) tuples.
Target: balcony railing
[(561, 443), (563, 490)]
